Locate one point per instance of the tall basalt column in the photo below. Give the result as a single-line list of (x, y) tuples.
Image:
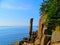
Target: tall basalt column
[(31, 26)]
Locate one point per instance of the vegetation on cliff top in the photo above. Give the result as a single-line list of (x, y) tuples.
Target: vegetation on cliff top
[(52, 9)]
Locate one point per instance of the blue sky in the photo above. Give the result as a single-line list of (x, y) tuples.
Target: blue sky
[(19, 12)]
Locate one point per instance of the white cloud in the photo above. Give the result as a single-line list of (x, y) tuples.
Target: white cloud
[(9, 6)]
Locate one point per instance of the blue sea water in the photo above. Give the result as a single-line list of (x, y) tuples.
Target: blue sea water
[(10, 35)]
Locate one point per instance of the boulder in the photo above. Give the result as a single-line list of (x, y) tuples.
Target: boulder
[(55, 38)]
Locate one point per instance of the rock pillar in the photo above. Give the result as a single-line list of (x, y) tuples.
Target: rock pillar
[(31, 26)]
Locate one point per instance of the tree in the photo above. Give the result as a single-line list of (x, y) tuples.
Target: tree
[(51, 8)]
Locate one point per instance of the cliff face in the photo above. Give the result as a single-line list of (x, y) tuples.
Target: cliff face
[(39, 40), (44, 39), (41, 29), (42, 36), (41, 25)]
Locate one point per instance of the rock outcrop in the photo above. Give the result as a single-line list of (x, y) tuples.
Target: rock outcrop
[(43, 36), (42, 28), (55, 40)]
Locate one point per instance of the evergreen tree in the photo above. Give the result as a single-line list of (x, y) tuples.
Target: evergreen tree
[(52, 9)]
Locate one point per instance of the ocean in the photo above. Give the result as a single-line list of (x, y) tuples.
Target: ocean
[(11, 34)]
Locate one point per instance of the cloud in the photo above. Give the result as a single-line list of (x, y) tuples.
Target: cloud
[(9, 6)]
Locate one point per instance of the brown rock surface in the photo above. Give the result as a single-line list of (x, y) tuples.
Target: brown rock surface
[(55, 38), (37, 41), (41, 27), (41, 24), (17, 43)]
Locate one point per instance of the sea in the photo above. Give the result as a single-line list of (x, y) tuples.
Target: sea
[(11, 34)]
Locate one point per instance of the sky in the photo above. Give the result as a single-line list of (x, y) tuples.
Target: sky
[(19, 12)]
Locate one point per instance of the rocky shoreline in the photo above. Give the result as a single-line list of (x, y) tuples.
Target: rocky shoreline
[(42, 36)]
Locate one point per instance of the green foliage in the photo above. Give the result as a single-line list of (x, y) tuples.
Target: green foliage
[(52, 30), (52, 9), (49, 36), (44, 7)]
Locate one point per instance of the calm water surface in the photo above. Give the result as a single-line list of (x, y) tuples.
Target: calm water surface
[(9, 35)]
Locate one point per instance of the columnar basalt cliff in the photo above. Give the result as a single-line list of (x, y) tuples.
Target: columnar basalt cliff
[(37, 38), (41, 29), (41, 37), (48, 32), (41, 26)]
